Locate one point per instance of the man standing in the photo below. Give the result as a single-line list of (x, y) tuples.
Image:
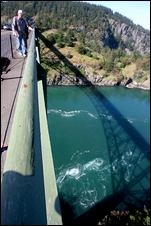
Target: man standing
[(20, 30)]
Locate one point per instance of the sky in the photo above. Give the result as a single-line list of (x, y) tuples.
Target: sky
[(137, 11)]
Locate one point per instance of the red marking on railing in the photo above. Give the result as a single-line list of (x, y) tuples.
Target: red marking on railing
[(25, 85)]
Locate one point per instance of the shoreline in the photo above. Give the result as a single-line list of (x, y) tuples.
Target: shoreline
[(74, 85), (58, 79)]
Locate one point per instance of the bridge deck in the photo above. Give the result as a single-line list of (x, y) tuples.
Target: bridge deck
[(10, 82)]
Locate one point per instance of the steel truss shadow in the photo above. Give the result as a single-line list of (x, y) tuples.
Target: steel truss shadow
[(128, 153)]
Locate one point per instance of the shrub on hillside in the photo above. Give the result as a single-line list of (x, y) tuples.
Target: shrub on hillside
[(143, 64), (89, 54), (69, 55), (126, 60), (51, 38), (70, 44), (59, 37), (61, 44), (82, 50), (134, 217), (108, 65)]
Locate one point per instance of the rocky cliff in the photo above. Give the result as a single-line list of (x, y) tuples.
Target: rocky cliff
[(133, 37), (114, 34), (89, 78)]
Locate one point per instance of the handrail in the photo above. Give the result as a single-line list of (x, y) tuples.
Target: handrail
[(29, 193)]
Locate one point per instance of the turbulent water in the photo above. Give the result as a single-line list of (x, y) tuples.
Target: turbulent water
[(100, 144)]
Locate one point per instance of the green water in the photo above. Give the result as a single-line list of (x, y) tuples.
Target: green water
[(100, 144)]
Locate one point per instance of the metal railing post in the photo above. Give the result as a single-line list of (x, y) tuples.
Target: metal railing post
[(11, 46)]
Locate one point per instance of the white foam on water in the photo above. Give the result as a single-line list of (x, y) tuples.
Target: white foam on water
[(108, 117), (78, 154), (80, 170), (81, 183), (91, 115), (75, 154), (64, 113), (54, 111), (130, 121), (93, 165), (71, 113), (73, 172)]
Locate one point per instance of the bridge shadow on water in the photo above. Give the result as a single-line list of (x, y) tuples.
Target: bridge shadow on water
[(130, 183)]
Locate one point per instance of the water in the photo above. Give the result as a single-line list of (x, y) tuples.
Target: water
[(100, 144)]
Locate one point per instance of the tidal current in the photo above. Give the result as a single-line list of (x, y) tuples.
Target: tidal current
[(100, 145)]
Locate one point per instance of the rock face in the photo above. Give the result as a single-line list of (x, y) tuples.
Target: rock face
[(132, 37), (145, 85), (93, 79), (114, 34)]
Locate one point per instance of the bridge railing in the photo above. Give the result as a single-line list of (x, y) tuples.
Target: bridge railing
[(29, 192)]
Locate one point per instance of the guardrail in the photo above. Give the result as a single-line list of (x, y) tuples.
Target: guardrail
[(29, 193)]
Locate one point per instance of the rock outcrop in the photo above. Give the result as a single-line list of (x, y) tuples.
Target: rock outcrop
[(94, 79), (133, 37)]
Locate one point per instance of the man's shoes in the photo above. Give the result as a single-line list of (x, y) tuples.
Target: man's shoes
[(24, 55), (19, 53)]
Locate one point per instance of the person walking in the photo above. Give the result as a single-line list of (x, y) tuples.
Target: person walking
[(20, 29)]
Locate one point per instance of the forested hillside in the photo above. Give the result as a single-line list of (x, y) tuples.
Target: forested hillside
[(108, 48), (98, 25)]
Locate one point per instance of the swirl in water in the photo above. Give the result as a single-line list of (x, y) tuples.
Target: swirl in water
[(91, 182), (79, 180)]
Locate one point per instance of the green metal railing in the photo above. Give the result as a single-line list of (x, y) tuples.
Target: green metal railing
[(29, 192)]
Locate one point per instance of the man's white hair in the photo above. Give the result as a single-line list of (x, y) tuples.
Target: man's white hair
[(20, 11)]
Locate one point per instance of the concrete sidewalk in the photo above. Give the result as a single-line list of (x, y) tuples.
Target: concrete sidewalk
[(10, 84), (9, 92)]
